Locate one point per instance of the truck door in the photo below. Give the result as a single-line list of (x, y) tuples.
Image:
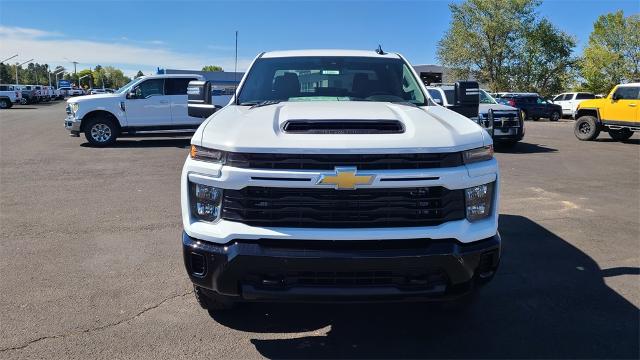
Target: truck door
[(148, 106), (176, 93), (625, 107)]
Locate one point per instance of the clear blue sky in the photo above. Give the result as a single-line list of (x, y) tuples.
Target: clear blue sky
[(179, 34)]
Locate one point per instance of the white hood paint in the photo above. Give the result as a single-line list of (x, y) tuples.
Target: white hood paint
[(85, 98), (484, 108), (427, 129)]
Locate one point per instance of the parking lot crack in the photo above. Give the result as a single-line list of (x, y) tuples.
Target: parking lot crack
[(98, 328)]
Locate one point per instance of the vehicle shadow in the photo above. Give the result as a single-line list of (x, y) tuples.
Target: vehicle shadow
[(176, 141), (547, 300), (629, 141), (522, 148)]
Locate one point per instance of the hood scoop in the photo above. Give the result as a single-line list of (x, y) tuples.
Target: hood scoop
[(343, 127)]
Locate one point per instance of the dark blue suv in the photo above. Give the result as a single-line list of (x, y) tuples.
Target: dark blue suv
[(533, 106)]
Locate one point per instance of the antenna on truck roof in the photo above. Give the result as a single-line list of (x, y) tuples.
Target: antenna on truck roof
[(235, 71), (379, 50)]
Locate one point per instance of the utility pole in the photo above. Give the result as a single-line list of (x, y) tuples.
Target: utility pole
[(17, 66)]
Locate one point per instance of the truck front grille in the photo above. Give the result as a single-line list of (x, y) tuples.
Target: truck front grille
[(329, 208), (504, 119), (330, 161)]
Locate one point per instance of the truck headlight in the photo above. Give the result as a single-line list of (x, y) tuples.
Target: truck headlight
[(478, 200), (478, 154), (205, 201), (206, 154), (74, 107)]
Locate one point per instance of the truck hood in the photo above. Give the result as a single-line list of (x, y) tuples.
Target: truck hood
[(85, 98), (484, 108), (427, 129)]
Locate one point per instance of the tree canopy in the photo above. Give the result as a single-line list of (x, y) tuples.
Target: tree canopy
[(504, 45), (212, 68), (612, 55)]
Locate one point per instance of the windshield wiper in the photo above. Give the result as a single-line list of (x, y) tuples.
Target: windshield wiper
[(255, 104)]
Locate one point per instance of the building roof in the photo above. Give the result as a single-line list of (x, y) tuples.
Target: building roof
[(327, 52)]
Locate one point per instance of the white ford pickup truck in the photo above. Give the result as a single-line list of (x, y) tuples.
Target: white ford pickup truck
[(148, 103), (333, 176)]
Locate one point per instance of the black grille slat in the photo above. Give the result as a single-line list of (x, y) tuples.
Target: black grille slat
[(327, 208), (343, 127), (330, 161)]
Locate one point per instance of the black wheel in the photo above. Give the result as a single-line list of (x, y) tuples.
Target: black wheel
[(101, 131), (5, 104), (555, 116), (620, 134), (586, 128), (212, 301), (24, 101), (535, 118)]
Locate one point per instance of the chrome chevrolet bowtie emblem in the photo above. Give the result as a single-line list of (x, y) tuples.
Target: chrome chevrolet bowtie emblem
[(345, 178)]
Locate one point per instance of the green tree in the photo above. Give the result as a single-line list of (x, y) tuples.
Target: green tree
[(139, 74), (612, 55), (545, 64), (212, 68), (485, 37), (6, 76), (88, 80)]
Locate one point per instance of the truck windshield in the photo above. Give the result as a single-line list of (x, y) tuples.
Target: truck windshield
[(326, 78), (485, 98), (126, 87)]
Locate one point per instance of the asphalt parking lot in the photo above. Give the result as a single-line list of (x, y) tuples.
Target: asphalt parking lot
[(91, 263)]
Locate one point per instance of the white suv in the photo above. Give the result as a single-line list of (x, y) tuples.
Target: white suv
[(148, 103), (333, 176), (570, 101)]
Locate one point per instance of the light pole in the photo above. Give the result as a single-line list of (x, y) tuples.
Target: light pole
[(81, 79), (17, 66), (75, 72), (56, 75), (9, 58)]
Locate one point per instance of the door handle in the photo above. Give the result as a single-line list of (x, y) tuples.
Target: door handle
[(632, 105), (164, 101)]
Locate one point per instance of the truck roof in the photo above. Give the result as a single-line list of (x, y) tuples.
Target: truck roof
[(327, 52), (163, 76), (631, 84)]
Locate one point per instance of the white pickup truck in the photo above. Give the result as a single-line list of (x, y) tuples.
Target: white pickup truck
[(333, 176), (148, 103), (570, 101), (9, 95)]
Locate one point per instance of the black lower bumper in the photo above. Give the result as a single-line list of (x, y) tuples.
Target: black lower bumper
[(318, 270)]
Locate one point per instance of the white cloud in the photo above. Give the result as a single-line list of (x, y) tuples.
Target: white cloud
[(54, 48)]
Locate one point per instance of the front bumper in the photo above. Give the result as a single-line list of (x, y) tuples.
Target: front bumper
[(508, 134), (325, 270), (72, 124)]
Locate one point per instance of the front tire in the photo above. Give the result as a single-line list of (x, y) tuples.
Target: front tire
[(620, 134), (101, 131), (24, 101), (5, 104), (586, 128), (555, 116)]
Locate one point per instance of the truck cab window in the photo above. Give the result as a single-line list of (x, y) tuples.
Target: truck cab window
[(151, 87)]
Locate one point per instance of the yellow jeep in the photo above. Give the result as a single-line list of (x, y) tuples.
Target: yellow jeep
[(616, 114)]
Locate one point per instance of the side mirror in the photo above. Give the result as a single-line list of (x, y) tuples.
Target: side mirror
[(135, 93), (200, 102), (615, 97)]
